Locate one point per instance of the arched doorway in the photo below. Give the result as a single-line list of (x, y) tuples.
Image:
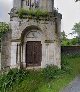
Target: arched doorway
[(32, 44)]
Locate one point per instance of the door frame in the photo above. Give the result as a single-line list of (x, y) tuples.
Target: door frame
[(38, 64)]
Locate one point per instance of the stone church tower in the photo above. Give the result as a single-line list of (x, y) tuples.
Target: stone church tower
[(32, 42)]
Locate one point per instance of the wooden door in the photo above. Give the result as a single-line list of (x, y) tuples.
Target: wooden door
[(33, 53)]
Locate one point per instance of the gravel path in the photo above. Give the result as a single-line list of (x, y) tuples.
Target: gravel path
[(74, 86)]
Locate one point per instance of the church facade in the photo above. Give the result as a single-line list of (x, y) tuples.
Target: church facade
[(32, 42)]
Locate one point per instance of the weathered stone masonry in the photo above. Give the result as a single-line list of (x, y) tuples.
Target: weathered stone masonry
[(30, 30)]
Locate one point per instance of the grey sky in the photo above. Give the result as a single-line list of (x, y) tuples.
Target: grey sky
[(69, 9), (5, 6), (70, 12)]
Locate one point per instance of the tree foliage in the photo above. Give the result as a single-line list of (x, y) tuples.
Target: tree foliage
[(64, 40), (63, 35), (69, 42), (76, 29), (4, 27), (74, 41)]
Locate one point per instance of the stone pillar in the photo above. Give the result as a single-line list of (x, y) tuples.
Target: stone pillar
[(17, 4), (22, 63), (47, 53), (17, 56), (57, 55), (47, 5), (6, 50), (23, 55), (43, 4), (13, 54), (50, 5)]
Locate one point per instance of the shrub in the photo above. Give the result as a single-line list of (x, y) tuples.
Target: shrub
[(37, 13), (13, 76), (65, 65), (50, 72), (22, 12)]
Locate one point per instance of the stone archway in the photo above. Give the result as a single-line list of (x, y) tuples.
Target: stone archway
[(28, 30), (32, 40)]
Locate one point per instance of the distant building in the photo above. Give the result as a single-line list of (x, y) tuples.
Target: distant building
[(32, 42)]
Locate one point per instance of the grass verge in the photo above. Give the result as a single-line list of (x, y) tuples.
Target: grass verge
[(50, 79)]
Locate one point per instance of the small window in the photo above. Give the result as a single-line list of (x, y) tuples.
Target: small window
[(30, 3), (36, 3)]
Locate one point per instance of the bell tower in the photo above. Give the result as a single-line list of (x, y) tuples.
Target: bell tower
[(47, 5), (35, 35)]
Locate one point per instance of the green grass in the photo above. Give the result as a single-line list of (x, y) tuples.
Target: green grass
[(50, 79)]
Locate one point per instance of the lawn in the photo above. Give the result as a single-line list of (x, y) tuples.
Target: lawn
[(50, 79)]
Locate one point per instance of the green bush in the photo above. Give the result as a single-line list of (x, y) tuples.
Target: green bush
[(49, 79), (13, 76), (65, 64), (50, 72), (17, 76), (22, 12)]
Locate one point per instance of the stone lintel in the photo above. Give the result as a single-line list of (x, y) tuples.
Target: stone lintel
[(16, 40), (49, 41)]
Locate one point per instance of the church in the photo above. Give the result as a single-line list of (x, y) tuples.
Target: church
[(34, 36)]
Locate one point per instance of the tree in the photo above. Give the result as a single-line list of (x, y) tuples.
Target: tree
[(4, 27), (74, 41), (68, 42), (76, 29), (63, 35), (64, 40)]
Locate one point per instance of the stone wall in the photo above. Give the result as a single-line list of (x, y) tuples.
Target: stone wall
[(50, 42), (48, 27), (49, 36), (43, 4), (6, 50), (70, 50), (17, 4)]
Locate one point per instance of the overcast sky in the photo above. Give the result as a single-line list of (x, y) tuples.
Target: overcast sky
[(70, 12), (5, 6), (69, 9)]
